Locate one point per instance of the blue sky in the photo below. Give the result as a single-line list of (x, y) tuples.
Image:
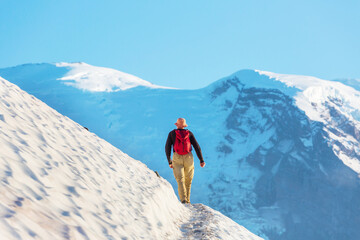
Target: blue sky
[(186, 44)]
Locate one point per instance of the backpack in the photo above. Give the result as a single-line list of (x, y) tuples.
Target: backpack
[(182, 143)]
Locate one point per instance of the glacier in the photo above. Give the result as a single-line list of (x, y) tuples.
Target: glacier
[(282, 151)]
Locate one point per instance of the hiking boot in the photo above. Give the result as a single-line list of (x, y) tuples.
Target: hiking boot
[(183, 202)]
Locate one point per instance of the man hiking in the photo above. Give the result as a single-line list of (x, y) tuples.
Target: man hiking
[(183, 161)]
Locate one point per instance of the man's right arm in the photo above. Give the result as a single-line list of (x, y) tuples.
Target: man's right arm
[(168, 148)]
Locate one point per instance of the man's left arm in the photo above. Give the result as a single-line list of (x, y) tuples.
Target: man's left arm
[(196, 147)]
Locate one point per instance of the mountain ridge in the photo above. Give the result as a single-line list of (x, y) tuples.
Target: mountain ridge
[(282, 152)]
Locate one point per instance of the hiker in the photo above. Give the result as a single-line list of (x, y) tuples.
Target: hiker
[(183, 161)]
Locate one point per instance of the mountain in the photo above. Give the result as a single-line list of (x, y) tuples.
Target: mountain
[(282, 151), (60, 181)]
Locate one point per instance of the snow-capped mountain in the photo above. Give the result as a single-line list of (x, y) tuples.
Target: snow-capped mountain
[(86, 77), (60, 181), (282, 151)]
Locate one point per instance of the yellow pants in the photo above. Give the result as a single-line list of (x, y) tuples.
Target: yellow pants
[(183, 167)]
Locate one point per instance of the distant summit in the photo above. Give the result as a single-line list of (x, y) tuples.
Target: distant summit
[(80, 75), (100, 79)]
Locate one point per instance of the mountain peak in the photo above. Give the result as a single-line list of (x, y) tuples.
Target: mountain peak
[(248, 78), (100, 79)]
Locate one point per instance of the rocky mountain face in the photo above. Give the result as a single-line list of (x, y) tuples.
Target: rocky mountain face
[(299, 187), (282, 151)]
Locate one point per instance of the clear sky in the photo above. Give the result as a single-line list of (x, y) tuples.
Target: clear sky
[(186, 44)]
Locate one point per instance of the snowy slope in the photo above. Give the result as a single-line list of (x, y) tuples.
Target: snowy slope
[(60, 181), (282, 151)]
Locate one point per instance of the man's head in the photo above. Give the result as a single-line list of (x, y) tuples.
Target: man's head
[(181, 123)]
